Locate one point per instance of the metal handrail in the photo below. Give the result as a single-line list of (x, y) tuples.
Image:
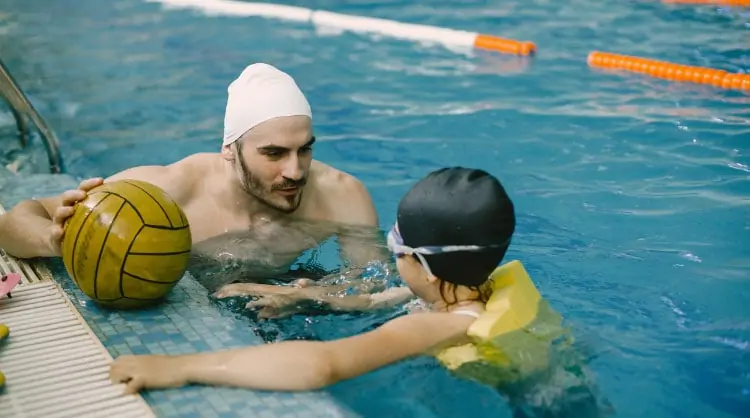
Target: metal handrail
[(21, 107)]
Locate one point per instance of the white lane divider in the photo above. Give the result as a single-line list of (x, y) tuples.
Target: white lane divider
[(360, 24)]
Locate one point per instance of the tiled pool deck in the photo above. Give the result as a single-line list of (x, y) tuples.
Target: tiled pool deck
[(188, 322)]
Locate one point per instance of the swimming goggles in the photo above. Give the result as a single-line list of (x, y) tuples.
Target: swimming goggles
[(396, 246)]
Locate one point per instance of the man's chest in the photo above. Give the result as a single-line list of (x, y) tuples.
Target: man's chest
[(244, 234), (208, 220), (251, 250)]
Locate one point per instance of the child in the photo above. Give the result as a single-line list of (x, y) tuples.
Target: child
[(453, 229)]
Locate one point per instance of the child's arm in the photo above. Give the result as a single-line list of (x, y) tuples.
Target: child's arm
[(295, 365), (366, 302), (275, 301)]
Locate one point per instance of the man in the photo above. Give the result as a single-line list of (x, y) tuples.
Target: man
[(256, 205)]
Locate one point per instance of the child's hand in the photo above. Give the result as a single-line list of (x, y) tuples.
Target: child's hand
[(147, 372)]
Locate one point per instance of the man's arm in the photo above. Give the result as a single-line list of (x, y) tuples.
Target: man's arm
[(359, 237), (25, 230), (280, 301), (34, 227)]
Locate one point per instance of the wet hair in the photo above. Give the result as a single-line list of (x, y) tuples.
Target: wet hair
[(459, 206)]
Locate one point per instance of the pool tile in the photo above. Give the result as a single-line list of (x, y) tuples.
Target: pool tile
[(188, 322)]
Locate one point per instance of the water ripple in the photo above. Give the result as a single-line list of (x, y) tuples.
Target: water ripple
[(632, 192)]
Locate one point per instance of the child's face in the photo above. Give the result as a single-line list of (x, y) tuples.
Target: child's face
[(419, 279)]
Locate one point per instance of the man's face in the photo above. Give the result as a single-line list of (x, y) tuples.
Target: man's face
[(273, 160)]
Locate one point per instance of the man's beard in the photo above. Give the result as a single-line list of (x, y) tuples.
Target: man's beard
[(254, 187)]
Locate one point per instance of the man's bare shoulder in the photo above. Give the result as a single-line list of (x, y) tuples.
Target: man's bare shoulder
[(181, 179), (332, 181), (197, 164), (344, 196)]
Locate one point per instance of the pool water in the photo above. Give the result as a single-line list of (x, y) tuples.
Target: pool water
[(632, 193)]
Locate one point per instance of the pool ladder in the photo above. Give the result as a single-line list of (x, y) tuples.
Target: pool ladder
[(21, 109)]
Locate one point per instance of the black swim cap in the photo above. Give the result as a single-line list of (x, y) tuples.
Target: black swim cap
[(459, 206)]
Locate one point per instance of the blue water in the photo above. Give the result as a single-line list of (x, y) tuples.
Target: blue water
[(632, 193)]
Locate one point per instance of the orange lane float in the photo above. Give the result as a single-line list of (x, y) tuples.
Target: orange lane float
[(670, 71), (741, 3), (503, 45)]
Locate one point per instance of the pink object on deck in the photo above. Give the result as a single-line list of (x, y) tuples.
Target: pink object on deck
[(7, 283)]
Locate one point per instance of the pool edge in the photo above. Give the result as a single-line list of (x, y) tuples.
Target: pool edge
[(35, 278)]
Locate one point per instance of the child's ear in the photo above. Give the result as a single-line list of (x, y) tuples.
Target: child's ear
[(431, 278)]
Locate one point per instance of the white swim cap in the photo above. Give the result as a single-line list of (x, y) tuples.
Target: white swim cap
[(260, 93)]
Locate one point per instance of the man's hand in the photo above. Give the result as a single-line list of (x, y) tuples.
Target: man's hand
[(68, 202), (274, 301)]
